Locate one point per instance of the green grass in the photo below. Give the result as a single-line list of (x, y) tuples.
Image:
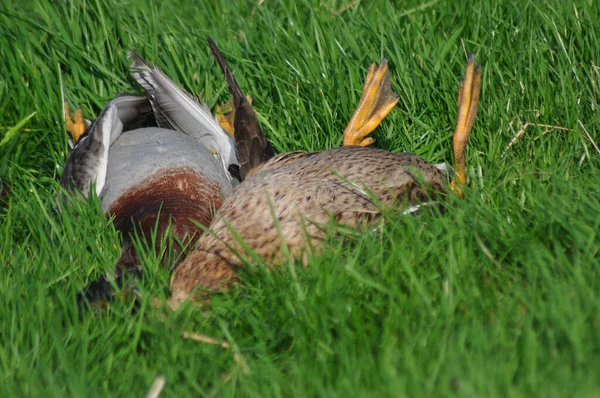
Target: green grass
[(498, 296)]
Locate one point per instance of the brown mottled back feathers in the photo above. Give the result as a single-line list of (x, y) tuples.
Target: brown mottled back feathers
[(301, 192), (250, 142)]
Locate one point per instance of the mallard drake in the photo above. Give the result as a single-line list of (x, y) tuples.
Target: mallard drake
[(182, 169), (279, 210)]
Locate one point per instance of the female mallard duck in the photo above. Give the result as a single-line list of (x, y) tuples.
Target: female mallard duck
[(288, 197), (182, 169)]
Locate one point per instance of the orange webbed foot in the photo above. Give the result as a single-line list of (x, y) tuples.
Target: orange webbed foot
[(468, 100), (226, 115), (376, 102), (77, 125)]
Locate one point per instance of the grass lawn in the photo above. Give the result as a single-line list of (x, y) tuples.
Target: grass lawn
[(496, 297)]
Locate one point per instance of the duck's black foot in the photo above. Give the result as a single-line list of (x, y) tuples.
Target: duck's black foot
[(98, 295)]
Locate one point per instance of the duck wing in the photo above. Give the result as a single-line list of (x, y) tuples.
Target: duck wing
[(250, 141), (88, 161), (131, 110), (174, 108)]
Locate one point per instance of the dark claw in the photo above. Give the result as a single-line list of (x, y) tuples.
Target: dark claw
[(98, 295)]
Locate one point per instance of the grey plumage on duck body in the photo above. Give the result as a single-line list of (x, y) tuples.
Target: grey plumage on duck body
[(182, 169)]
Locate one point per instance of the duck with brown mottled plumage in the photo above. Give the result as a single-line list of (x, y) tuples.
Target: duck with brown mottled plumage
[(280, 208)]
